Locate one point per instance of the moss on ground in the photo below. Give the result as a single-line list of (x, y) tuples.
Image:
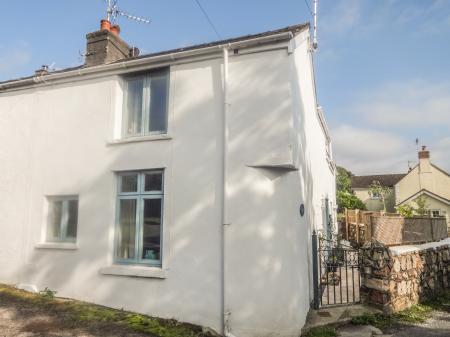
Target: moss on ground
[(324, 331), (81, 313), (416, 314)]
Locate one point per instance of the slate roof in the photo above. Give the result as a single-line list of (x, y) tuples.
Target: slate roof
[(388, 180), (294, 29)]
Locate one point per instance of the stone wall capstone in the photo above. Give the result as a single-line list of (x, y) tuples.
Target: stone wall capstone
[(394, 279)]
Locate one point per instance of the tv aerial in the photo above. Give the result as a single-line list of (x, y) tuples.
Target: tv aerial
[(113, 12)]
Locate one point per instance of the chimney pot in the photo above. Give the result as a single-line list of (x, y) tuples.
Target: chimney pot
[(105, 25), (115, 29)]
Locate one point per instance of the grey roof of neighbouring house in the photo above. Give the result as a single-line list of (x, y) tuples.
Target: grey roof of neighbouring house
[(388, 180)]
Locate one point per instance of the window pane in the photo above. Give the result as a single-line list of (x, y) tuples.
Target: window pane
[(128, 183), (54, 220), (127, 229), (134, 106), (72, 220), (158, 104), (153, 181), (152, 229)]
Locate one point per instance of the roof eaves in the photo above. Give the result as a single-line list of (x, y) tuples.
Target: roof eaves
[(294, 29)]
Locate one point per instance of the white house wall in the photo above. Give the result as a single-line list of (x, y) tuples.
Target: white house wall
[(59, 140), (317, 179)]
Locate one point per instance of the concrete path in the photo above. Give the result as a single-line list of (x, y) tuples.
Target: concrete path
[(437, 326)]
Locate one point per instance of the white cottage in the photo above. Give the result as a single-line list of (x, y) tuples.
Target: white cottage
[(182, 184)]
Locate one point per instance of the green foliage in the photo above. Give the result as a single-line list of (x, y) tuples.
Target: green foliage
[(405, 210), (408, 211), (349, 200), (345, 197), (47, 293), (343, 180), (324, 331), (422, 206), (416, 314)]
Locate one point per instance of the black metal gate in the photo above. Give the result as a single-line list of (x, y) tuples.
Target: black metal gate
[(336, 269)]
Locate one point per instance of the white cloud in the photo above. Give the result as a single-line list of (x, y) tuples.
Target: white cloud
[(343, 17), (13, 58), (366, 151), (409, 104), (440, 153), (390, 114)]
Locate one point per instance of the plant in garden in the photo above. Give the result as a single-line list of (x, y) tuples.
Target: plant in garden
[(380, 191), (345, 197), (406, 210), (48, 293), (422, 206)]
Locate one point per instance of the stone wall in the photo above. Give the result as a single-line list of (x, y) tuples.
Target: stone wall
[(395, 278)]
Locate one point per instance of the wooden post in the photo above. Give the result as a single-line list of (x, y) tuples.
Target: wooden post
[(432, 231), (357, 225), (346, 224)]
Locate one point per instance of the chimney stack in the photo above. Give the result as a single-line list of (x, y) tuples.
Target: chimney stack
[(42, 71), (105, 45), (424, 160), (424, 154)]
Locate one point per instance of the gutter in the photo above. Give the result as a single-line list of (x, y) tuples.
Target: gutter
[(127, 65)]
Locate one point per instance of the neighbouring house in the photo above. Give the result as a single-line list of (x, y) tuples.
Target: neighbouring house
[(361, 187), (182, 184), (430, 182)]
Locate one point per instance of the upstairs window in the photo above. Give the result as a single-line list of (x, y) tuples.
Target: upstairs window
[(62, 220), (145, 104)]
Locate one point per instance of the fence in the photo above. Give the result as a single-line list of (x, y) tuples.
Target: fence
[(391, 229)]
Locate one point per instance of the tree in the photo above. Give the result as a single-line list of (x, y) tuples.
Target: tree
[(408, 211), (343, 179), (347, 200), (378, 190), (345, 197)]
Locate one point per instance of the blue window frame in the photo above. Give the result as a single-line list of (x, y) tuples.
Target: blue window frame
[(139, 221)]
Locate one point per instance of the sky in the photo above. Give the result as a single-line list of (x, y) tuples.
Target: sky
[(382, 67)]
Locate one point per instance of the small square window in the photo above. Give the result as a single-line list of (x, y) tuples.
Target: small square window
[(62, 220), (435, 213)]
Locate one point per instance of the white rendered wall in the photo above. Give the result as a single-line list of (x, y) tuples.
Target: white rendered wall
[(57, 141)]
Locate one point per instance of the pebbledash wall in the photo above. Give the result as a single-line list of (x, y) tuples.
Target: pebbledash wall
[(396, 278), (60, 138)]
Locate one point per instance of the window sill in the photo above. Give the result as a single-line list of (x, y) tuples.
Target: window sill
[(140, 139), (57, 245), (135, 271)]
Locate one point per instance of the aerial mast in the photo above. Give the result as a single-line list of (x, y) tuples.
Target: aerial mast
[(113, 12), (315, 43)]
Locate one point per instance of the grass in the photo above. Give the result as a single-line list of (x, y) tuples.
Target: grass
[(416, 314), (83, 314), (324, 331)]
